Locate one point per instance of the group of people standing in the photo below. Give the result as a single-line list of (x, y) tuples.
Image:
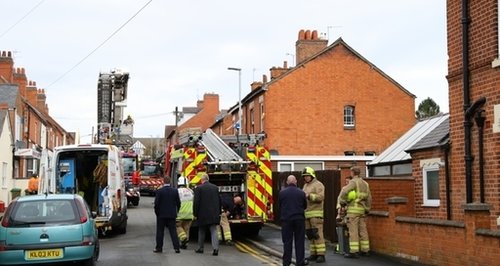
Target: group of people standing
[(302, 216), (176, 209)]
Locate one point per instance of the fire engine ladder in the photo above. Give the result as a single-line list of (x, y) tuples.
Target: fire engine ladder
[(218, 151)]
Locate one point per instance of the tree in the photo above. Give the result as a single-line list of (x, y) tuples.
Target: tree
[(427, 108)]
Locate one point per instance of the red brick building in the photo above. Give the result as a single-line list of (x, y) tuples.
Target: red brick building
[(33, 129), (460, 225), (201, 117), (332, 110)]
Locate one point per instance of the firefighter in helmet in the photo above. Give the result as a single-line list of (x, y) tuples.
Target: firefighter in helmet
[(315, 194), (358, 205)]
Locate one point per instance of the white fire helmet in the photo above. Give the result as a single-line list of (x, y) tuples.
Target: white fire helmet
[(182, 181)]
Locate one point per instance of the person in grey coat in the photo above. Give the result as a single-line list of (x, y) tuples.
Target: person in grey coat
[(206, 212)]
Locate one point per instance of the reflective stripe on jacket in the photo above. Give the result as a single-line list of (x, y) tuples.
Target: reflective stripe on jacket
[(186, 196)]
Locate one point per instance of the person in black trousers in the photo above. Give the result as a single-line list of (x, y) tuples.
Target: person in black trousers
[(292, 204), (206, 212), (167, 204)]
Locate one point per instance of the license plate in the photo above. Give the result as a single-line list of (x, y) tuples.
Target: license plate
[(42, 254)]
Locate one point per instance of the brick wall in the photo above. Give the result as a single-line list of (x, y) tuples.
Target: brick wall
[(484, 82), (384, 188), (206, 116), (434, 242), (304, 108), (422, 211)]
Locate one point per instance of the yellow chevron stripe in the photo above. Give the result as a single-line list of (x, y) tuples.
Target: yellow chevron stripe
[(254, 195), (199, 158), (252, 205)]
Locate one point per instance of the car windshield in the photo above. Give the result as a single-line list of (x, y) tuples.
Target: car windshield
[(43, 213)]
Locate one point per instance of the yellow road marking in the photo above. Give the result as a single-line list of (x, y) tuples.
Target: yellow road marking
[(254, 253)]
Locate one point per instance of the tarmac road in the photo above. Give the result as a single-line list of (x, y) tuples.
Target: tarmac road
[(269, 240)]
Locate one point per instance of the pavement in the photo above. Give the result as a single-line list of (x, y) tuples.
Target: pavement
[(269, 240)]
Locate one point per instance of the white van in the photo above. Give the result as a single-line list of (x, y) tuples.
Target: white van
[(95, 172)]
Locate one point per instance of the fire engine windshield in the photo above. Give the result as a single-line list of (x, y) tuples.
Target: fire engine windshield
[(149, 170), (129, 165)]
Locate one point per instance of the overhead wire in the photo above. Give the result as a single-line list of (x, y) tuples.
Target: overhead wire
[(100, 45), (21, 19)]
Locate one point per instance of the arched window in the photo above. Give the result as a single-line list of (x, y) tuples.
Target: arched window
[(349, 118)]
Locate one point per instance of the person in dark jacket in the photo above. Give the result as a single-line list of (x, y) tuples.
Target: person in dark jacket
[(166, 205), (206, 211), (292, 205)]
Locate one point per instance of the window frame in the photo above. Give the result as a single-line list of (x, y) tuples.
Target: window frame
[(426, 201), (4, 174), (349, 117)]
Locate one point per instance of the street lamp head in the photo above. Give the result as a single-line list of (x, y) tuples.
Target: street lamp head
[(234, 68)]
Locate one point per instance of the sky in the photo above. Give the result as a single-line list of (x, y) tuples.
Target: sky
[(176, 51)]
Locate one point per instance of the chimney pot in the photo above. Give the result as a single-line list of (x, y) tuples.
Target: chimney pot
[(9, 54), (3, 53), (315, 35), (301, 34), (308, 35), (285, 64), (264, 78)]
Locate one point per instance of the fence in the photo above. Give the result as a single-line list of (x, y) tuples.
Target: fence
[(331, 181)]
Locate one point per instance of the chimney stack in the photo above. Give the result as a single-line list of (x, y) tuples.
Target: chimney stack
[(6, 65), (308, 45), (40, 101), (278, 71)]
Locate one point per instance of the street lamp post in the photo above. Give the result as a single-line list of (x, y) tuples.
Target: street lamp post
[(240, 123)]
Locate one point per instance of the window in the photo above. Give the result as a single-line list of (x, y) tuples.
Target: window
[(31, 166), (261, 117), (431, 185), (4, 174), (382, 170), (299, 166), (401, 169), (285, 167), (349, 116), (252, 122)]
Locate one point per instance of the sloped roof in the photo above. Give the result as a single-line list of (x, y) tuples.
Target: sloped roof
[(437, 137), (338, 42), (8, 94), (398, 150)]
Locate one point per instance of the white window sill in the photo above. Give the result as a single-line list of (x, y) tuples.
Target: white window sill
[(495, 63), (431, 204)]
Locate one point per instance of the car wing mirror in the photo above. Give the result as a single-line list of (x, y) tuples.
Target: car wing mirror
[(94, 215)]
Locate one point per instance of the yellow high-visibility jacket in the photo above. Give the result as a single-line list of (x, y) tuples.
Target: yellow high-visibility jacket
[(363, 200), (316, 191)]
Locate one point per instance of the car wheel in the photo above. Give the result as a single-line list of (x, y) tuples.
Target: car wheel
[(89, 262)]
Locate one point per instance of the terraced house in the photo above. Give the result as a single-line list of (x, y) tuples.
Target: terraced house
[(30, 128)]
